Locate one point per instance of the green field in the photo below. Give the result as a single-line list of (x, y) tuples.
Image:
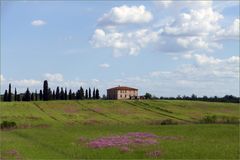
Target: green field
[(63, 129)]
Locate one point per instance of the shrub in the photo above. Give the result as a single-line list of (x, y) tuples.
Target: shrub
[(8, 124), (220, 119), (167, 122), (209, 119)]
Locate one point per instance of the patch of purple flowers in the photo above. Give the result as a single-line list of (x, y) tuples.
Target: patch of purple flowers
[(123, 141)]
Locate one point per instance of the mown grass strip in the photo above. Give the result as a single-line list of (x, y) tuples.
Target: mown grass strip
[(41, 109), (154, 111), (100, 113)]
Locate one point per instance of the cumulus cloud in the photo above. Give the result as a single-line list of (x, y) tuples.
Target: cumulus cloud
[(104, 65), (54, 77), (178, 6), (38, 22), (126, 15), (231, 32), (200, 22), (193, 30), (26, 82), (123, 42), (2, 79)]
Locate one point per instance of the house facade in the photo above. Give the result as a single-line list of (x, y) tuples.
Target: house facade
[(122, 92)]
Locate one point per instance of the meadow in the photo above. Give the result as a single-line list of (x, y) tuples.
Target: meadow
[(110, 129)]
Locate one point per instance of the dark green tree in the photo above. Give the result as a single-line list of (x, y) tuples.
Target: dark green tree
[(45, 91), (27, 96), (32, 97), (9, 93), (53, 95), (73, 95), (65, 94), (5, 97), (40, 95), (49, 94), (193, 97), (57, 93), (36, 95), (94, 93), (89, 93), (97, 94), (18, 97), (15, 95), (70, 94), (62, 94), (86, 94), (78, 94), (148, 96), (81, 93)]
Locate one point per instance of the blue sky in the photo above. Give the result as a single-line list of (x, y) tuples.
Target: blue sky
[(167, 48)]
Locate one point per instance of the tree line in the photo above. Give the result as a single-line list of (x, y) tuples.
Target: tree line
[(47, 93), (193, 97)]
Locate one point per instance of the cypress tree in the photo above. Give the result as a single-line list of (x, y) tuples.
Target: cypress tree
[(53, 95), (32, 97), (94, 94), (97, 94), (18, 97), (27, 96), (62, 94), (70, 94), (15, 95), (49, 94), (40, 95), (89, 93), (78, 95), (65, 94), (5, 97), (9, 93), (81, 93), (45, 91), (73, 95), (86, 94), (57, 93), (36, 95)]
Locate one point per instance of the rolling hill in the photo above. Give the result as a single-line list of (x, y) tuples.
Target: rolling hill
[(54, 129)]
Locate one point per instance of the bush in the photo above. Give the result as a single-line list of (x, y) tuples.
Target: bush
[(209, 119), (220, 119), (8, 124), (167, 122)]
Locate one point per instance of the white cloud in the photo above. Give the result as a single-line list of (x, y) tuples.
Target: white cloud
[(123, 42), (38, 22), (164, 4), (178, 6), (231, 32), (204, 59), (2, 79), (104, 65), (125, 15), (187, 55), (192, 30), (57, 77), (95, 81), (200, 22), (26, 82), (70, 84)]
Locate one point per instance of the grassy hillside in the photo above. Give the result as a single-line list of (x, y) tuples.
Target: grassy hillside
[(64, 129)]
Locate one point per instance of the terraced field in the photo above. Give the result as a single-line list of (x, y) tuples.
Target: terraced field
[(67, 130)]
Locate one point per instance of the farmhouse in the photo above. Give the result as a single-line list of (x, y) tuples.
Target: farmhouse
[(122, 92)]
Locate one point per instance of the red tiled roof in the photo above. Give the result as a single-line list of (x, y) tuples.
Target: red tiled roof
[(122, 88)]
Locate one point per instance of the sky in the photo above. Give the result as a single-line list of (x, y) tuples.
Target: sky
[(166, 48)]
